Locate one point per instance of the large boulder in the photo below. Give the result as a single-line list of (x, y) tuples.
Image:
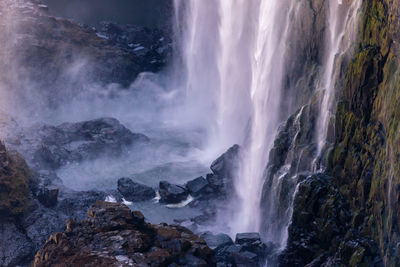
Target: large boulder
[(227, 164), (133, 191), (113, 235), (50, 147), (172, 194), (224, 169)]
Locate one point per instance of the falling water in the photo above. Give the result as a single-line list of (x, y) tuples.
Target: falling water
[(234, 55), (342, 26)]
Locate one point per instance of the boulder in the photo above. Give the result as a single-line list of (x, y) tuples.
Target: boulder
[(197, 186), (227, 164), (215, 241), (224, 170), (172, 194), (133, 191), (113, 235)]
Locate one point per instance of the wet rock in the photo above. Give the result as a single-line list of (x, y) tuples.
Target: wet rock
[(171, 193), (15, 246), (219, 240), (197, 186), (133, 191), (243, 238), (227, 164), (114, 236), (215, 181), (48, 196), (50, 147)]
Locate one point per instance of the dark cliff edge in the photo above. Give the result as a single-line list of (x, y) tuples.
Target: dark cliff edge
[(349, 215)]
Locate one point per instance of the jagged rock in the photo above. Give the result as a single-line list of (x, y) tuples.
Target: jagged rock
[(15, 246), (50, 147), (224, 169), (215, 241), (197, 186), (171, 193), (48, 197), (133, 191), (114, 236), (227, 164)]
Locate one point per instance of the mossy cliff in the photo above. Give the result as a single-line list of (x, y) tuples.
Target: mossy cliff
[(363, 173)]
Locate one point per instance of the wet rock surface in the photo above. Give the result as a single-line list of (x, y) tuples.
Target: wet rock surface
[(133, 191), (51, 147), (171, 193), (113, 235)]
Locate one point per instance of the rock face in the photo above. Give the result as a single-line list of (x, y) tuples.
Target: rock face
[(133, 191), (50, 147), (113, 235), (360, 187)]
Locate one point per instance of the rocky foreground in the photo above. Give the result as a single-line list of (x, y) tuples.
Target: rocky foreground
[(113, 235)]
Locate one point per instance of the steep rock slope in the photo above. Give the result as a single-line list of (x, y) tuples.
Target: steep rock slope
[(350, 217)]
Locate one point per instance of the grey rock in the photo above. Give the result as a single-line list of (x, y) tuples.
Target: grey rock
[(197, 186), (215, 241), (133, 191), (171, 193)]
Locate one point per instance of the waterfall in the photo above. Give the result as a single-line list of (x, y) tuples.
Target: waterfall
[(235, 71), (233, 53)]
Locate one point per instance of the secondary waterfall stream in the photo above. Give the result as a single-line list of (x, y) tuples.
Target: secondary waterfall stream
[(234, 54)]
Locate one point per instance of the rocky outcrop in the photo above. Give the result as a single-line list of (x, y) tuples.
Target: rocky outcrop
[(113, 235), (50, 147), (55, 59)]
